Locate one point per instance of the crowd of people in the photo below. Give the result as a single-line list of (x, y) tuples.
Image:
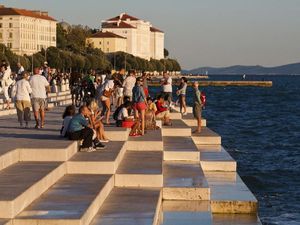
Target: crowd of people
[(109, 98)]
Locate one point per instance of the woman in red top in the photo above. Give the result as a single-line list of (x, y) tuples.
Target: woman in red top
[(162, 112)]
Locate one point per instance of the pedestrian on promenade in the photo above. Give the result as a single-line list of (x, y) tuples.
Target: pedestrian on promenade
[(106, 94), (6, 82), (79, 129), (140, 103), (20, 71), (181, 92), (128, 84), (39, 86), (167, 87), (197, 106), (21, 92)]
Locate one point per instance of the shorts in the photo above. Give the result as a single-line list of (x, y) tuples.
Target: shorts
[(163, 115), (140, 106), (38, 104), (197, 111)]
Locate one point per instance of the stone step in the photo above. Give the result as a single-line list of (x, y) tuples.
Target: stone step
[(191, 121), (180, 148), (73, 200), (186, 213), (229, 194), (184, 181), (5, 222), (114, 133), (178, 129), (100, 162), (23, 182), (126, 206), (209, 148), (175, 115), (236, 219), (217, 161), (140, 169), (207, 137), (151, 141)]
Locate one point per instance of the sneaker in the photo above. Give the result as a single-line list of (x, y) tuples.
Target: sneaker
[(90, 149), (184, 114), (99, 146)]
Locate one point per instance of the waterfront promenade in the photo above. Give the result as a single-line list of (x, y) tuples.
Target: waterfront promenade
[(165, 176)]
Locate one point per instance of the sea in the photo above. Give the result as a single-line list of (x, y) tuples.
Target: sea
[(260, 128)]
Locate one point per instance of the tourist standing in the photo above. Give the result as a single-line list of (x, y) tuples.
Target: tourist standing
[(167, 87), (197, 106), (139, 100), (6, 82), (181, 92), (105, 98), (128, 84), (20, 71), (39, 85), (21, 92)]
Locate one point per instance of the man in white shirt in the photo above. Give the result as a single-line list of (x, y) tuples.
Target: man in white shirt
[(128, 84), (39, 85), (20, 71), (21, 92), (167, 87)]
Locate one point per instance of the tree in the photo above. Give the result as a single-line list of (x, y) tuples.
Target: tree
[(166, 53)]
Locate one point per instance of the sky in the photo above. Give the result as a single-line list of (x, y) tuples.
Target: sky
[(199, 32)]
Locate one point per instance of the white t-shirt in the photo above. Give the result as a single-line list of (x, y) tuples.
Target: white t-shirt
[(109, 85), (168, 87), (128, 85), (123, 114), (38, 85), (21, 90)]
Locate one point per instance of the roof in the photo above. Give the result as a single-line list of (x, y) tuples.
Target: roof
[(153, 29), (23, 12), (117, 25), (102, 34), (123, 17)]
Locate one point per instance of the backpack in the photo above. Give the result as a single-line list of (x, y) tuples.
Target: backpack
[(116, 113), (203, 99)]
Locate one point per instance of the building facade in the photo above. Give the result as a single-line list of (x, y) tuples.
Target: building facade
[(108, 42), (143, 40), (25, 31)]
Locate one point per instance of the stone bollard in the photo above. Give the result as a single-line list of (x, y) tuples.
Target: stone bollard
[(63, 86), (67, 85)]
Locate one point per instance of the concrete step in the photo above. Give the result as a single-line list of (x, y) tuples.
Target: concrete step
[(186, 213), (23, 182), (130, 207), (217, 161), (207, 137), (236, 219), (184, 181), (100, 162), (175, 115), (73, 200), (191, 121), (178, 129), (140, 169), (114, 133), (180, 148), (151, 141), (6, 222), (209, 148), (229, 194)]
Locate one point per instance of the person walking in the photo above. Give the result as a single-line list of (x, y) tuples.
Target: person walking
[(21, 92), (128, 84), (167, 87), (197, 106), (6, 82), (39, 86), (140, 103), (181, 92)]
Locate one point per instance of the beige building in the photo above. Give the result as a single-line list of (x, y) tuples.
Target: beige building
[(143, 40), (25, 31), (107, 42)]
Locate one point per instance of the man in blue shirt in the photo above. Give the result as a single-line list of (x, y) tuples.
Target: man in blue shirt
[(79, 129)]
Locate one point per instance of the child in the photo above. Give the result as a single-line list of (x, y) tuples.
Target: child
[(67, 116)]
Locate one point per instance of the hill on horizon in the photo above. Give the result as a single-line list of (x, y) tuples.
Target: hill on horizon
[(289, 69)]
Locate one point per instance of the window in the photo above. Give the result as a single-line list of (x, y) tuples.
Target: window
[(108, 42), (0, 35), (10, 35), (100, 43), (0, 25), (53, 39), (10, 25), (9, 45), (107, 49)]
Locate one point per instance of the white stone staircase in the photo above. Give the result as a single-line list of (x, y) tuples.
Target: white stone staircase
[(166, 177)]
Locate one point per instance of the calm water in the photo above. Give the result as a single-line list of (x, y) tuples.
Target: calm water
[(260, 127)]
